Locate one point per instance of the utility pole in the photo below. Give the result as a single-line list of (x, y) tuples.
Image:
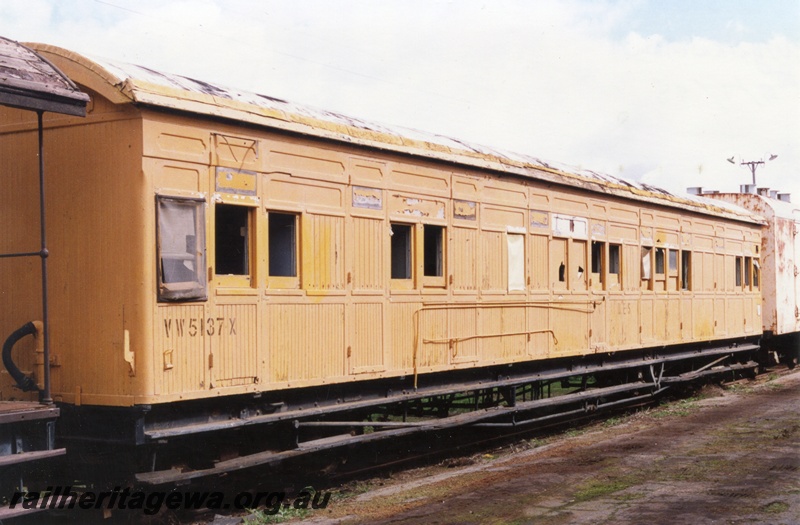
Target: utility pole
[(752, 164)]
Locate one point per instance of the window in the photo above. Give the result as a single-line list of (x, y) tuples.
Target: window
[(516, 262), (756, 272), (686, 268), (282, 244), (673, 261), (181, 249), (646, 256), (748, 270), (401, 251), (433, 250), (660, 261), (737, 272), (558, 263), (614, 259), (578, 257), (597, 257), (597, 266), (232, 240)]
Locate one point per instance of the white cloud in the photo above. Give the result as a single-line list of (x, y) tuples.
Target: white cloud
[(549, 78)]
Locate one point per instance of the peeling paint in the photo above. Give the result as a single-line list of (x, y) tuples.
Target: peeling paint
[(145, 86)]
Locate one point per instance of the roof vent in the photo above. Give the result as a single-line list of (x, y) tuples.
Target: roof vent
[(785, 197), (710, 192), (747, 188), (694, 190), (764, 192), (773, 194)]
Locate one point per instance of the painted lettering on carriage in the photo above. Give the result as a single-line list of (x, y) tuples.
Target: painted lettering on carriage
[(198, 326)]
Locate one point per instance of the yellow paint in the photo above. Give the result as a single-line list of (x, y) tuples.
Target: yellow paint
[(342, 318)]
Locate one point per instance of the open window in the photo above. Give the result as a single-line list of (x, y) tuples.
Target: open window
[(402, 242), (672, 270), (660, 263), (614, 266), (181, 249), (756, 274), (647, 263), (737, 272), (748, 272), (686, 270), (232, 240), (433, 255), (598, 265), (283, 249)]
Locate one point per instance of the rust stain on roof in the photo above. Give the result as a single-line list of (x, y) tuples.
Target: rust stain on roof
[(28, 81), (146, 86)]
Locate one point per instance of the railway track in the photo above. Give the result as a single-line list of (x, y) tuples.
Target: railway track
[(404, 434)]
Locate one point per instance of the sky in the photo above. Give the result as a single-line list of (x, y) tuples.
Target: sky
[(657, 91)]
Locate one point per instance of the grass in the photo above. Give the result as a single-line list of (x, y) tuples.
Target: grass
[(680, 408), (260, 517), (776, 507), (598, 489)]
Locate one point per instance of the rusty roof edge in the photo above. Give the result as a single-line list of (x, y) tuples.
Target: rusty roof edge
[(306, 126), (82, 70), (143, 91)]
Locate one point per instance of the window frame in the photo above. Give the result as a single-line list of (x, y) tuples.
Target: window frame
[(407, 281), (685, 271), (433, 280), (598, 265), (280, 281), (195, 289), (614, 266), (247, 279)]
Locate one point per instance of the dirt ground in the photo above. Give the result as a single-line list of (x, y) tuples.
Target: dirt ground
[(727, 456)]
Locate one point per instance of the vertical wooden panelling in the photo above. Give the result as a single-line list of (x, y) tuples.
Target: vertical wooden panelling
[(462, 323), (752, 322), (493, 265), (672, 321), (402, 326), (703, 318), (571, 327), (687, 318), (323, 268), (465, 259), (434, 349), (180, 362), (299, 349), (366, 338), (599, 320), (735, 316), (720, 317), (624, 322), (369, 236), (539, 260), (491, 322), (558, 264), (647, 311), (514, 321), (631, 267), (661, 319), (578, 269), (541, 343), (232, 333)]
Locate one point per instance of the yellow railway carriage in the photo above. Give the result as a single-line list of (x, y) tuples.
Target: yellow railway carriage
[(213, 244)]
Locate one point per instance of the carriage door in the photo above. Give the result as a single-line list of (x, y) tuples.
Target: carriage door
[(231, 323)]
